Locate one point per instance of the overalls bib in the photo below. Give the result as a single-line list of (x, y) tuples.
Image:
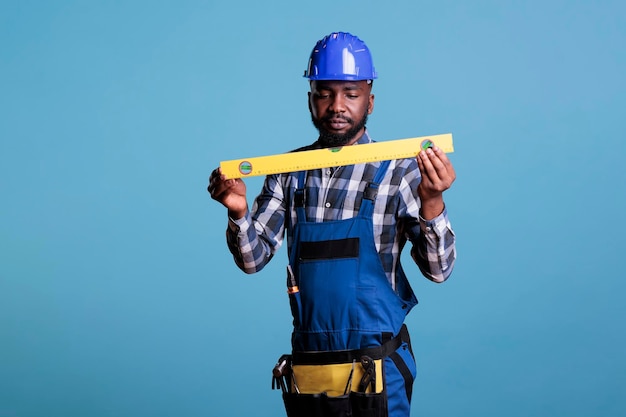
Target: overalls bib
[(345, 302)]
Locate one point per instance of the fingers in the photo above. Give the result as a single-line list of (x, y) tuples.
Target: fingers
[(218, 184), (220, 187), (436, 168), (214, 180), (216, 173)]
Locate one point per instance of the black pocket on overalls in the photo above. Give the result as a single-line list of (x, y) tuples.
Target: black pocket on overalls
[(316, 405), (368, 405)]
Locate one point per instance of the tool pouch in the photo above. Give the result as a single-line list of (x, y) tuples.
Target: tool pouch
[(335, 379), (336, 390)]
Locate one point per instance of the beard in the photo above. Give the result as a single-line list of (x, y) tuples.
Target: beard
[(331, 140)]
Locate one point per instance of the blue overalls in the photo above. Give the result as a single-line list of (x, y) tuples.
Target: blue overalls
[(345, 302)]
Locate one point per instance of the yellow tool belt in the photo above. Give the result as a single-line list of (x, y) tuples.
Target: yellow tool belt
[(338, 383), (334, 379)]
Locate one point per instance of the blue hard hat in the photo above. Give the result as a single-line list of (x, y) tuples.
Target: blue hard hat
[(340, 56)]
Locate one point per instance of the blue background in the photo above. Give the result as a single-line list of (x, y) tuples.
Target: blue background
[(118, 296)]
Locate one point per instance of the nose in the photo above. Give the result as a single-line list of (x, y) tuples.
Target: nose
[(338, 104)]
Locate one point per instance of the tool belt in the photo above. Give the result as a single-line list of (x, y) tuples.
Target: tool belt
[(336, 384)]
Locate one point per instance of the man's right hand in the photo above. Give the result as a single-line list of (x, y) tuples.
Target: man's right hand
[(230, 192)]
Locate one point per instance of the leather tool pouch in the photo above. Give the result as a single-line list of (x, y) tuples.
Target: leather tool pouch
[(338, 384), (354, 389)]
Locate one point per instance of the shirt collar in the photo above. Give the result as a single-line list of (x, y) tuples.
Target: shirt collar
[(364, 139)]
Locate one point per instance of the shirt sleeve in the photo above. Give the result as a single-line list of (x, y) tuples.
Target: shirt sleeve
[(434, 241), (255, 238), (434, 251)]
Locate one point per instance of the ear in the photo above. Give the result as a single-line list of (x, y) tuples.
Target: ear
[(370, 104), (309, 101)]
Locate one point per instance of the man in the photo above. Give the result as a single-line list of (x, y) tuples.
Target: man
[(346, 227)]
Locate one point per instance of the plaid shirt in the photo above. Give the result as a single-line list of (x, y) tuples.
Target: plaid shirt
[(336, 194)]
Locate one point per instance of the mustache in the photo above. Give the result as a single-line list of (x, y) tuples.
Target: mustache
[(331, 117)]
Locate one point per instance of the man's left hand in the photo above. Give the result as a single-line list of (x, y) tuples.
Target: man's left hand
[(437, 176)]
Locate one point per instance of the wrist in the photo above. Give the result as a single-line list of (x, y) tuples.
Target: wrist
[(237, 214), (432, 208)]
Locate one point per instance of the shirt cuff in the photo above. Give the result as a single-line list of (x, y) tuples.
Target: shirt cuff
[(240, 225), (438, 225)]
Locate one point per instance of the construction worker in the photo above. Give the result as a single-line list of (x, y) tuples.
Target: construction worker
[(346, 227)]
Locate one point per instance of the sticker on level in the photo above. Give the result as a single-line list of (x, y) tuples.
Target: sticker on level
[(333, 157)]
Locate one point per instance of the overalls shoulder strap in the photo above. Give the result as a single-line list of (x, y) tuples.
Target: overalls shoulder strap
[(371, 191), (299, 197)]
